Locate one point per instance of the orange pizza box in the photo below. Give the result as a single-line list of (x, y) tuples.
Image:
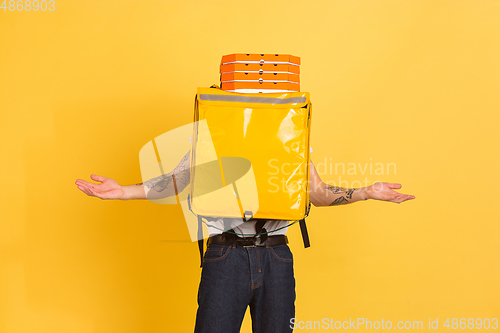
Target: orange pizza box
[(238, 76), (260, 68), (289, 86), (259, 91), (260, 58)]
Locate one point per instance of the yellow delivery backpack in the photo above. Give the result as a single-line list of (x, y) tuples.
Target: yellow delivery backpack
[(250, 155)]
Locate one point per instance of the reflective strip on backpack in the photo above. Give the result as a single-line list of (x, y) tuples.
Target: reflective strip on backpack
[(247, 99)]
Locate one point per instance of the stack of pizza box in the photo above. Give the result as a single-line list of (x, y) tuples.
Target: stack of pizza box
[(260, 73)]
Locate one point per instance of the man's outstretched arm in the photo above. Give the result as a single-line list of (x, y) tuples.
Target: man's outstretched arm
[(323, 194), (157, 188)]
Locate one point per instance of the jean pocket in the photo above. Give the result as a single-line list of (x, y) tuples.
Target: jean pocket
[(282, 253), (216, 252)]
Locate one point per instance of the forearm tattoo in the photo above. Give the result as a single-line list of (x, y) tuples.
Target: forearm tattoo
[(344, 194), (164, 182), (339, 201), (334, 189), (160, 183)]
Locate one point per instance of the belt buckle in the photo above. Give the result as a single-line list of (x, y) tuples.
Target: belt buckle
[(256, 241), (253, 241)]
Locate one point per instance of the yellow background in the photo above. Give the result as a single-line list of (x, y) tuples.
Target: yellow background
[(83, 88)]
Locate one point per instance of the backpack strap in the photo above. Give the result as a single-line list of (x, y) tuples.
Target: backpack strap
[(259, 228), (303, 231), (303, 228), (200, 239), (200, 231)]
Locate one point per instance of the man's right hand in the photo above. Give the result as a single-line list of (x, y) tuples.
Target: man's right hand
[(107, 189)]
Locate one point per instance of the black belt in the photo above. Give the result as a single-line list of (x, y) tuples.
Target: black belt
[(229, 239)]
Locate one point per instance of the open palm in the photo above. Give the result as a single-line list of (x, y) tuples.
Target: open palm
[(385, 192), (107, 189)]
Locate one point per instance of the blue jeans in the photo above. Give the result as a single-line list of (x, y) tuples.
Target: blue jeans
[(235, 277)]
